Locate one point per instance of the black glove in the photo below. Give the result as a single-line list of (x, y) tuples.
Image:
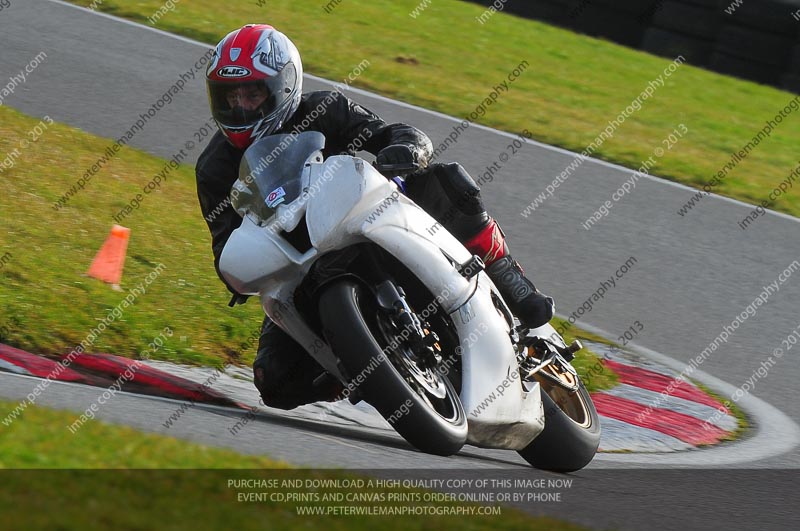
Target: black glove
[(396, 154)]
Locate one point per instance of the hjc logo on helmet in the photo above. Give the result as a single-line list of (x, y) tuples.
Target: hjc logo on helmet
[(233, 71)]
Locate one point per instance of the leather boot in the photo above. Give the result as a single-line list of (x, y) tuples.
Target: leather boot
[(532, 307)]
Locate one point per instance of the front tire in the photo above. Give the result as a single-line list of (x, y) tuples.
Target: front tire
[(349, 318), (571, 433)]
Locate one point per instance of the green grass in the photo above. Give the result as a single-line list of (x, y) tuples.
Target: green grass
[(49, 306), (445, 60), (595, 375), (137, 479), (39, 438)]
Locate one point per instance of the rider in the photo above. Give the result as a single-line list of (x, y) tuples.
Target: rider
[(254, 86)]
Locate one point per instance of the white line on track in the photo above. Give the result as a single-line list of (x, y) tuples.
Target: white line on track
[(339, 441), (211, 407), (446, 116)]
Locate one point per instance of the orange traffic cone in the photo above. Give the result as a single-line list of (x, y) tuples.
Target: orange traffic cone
[(110, 259)]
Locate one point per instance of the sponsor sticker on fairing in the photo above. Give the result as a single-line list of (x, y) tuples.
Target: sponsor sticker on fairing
[(275, 197)]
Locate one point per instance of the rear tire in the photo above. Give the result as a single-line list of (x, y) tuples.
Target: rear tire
[(349, 318), (571, 433)]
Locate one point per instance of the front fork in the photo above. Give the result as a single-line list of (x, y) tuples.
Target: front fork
[(423, 342)]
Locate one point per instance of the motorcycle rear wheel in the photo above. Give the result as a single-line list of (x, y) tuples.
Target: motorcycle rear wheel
[(435, 425), (571, 433)]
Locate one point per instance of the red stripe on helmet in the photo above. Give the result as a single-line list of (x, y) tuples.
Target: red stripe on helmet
[(245, 39)]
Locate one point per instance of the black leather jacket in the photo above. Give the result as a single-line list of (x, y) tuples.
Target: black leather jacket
[(344, 124)]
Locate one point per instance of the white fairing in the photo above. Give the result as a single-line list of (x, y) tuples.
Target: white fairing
[(348, 202), (499, 412)]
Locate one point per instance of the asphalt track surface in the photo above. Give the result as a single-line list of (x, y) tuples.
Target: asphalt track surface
[(693, 274)]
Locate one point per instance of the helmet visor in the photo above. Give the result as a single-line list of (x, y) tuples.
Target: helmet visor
[(240, 104)]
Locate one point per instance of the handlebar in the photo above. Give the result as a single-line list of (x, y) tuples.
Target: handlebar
[(396, 169)]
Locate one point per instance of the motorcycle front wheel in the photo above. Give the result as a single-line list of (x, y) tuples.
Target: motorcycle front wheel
[(419, 403)]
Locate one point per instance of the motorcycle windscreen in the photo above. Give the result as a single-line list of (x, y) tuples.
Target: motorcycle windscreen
[(270, 173)]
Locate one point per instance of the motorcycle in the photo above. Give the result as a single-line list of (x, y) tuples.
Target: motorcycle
[(403, 317)]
